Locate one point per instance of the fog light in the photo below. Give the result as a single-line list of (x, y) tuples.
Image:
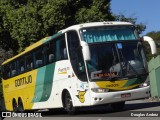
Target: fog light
[(95, 99), (100, 99)]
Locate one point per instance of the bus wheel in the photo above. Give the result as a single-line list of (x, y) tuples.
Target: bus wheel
[(118, 106), (68, 104), (20, 105), (15, 106)]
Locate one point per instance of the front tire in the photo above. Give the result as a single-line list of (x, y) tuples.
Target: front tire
[(68, 104)]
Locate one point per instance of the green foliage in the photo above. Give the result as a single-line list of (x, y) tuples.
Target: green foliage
[(99, 10), (140, 27), (23, 22), (6, 41), (5, 54)]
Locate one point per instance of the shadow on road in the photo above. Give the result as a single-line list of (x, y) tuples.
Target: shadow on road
[(103, 110)]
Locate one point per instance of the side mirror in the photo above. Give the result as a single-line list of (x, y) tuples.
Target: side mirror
[(86, 51), (151, 43)]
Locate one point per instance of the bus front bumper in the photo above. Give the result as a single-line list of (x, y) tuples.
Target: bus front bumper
[(112, 97)]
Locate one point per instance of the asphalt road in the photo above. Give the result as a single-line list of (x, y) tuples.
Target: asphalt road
[(138, 109)]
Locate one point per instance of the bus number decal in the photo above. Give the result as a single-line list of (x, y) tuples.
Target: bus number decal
[(112, 85), (23, 81)]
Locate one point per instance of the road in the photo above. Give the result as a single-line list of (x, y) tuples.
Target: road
[(140, 109)]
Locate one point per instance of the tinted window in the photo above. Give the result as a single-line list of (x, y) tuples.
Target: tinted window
[(29, 62), (21, 65), (50, 52), (39, 57), (61, 51), (13, 69), (6, 71), (76, 56), (55, 50)]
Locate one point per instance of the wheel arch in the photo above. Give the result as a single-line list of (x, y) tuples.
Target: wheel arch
[(63, 96)]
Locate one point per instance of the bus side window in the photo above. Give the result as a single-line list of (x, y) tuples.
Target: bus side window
[(29, 62), (51, 58), (13, 69), (21, 65), (6, 72), (50, 50), (39, 57), (65, 53), (61, 51)]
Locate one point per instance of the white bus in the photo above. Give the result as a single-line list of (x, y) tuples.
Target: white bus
[(83, 65)]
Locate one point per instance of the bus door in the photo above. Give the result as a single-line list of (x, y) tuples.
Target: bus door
[(78, 76)]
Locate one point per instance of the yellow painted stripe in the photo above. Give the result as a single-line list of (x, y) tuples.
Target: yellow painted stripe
[(115, 85)]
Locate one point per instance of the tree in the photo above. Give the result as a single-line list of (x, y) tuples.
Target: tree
[(19, 20), (24, 22), (5, 54), (140, 27), (97, 10), (6, 41)]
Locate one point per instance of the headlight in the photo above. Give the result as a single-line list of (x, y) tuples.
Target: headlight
[(145, 84), (99, 90)]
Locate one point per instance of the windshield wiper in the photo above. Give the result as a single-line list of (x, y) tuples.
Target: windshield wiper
[(128, 63)]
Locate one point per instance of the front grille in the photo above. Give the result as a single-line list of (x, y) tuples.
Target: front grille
[(123, 90)]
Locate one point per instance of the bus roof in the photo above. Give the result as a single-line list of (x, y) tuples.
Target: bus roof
[(74, 27), (94, 24)]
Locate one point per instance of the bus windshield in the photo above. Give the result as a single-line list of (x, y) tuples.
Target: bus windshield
[(116, 60), (109, 33)]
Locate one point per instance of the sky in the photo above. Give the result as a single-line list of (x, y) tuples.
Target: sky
[(146, 12)]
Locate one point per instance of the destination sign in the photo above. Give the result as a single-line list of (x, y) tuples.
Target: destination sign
[(103, 74)]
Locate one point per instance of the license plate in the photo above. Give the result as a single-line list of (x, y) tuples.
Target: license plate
[(125, 95)]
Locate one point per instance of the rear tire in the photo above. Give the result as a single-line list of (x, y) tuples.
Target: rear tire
[(68, 104), (119, 106), (20, 106), (14, 105)]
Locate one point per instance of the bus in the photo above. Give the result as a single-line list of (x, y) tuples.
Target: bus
[(97, 63)]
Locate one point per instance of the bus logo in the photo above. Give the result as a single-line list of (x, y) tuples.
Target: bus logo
[(81, 96), (23, 81), (62, 70)]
